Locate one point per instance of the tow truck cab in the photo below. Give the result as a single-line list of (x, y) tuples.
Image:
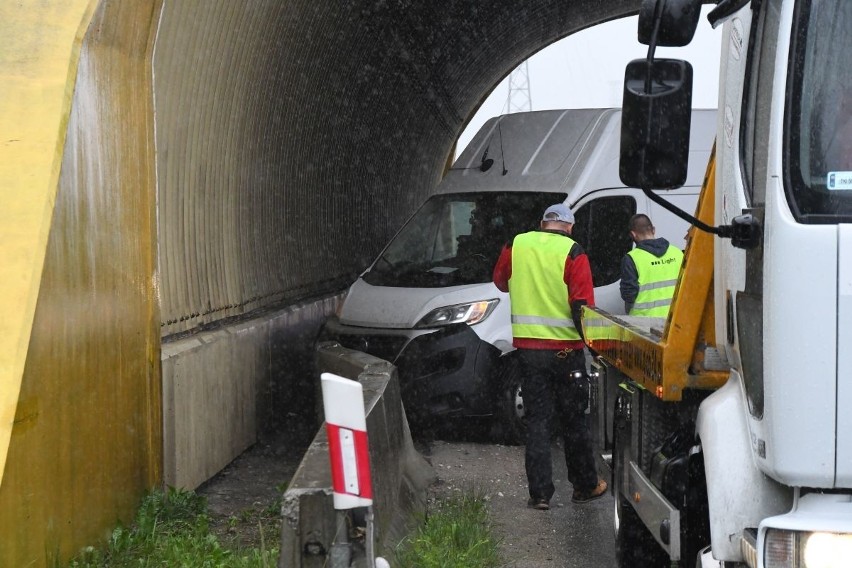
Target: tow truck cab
[(730, 427)]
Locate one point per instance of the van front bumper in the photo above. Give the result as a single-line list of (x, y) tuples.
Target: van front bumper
[(447, 371)]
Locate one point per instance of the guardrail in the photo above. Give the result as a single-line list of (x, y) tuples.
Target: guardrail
[(313, 534)]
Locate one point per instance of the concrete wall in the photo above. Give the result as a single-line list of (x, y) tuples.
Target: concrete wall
[(312, 531), (223, 387)]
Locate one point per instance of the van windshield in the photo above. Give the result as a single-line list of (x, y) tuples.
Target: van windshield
[(455, 239)]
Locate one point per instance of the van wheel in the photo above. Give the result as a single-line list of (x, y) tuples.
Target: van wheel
[(635, 547), (510, 405)]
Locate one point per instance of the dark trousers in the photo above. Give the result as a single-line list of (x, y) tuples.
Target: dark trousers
[(547, 387)]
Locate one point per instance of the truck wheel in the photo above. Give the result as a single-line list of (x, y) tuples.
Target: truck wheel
[(635, 547), (510, 405)]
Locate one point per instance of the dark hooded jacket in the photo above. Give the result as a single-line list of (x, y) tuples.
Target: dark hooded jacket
[(630, 276)]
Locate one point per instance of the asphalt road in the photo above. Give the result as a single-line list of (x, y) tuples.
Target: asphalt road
[(566, 536)]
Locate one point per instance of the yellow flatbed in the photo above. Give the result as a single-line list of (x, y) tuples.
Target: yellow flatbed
[(666, 356)]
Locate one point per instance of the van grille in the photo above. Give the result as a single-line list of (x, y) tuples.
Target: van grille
[(387, 347)]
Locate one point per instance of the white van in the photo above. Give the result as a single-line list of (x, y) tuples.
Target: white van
[(427, 303)]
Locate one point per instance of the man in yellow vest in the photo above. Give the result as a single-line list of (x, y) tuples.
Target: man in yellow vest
[(548, 278), (649, 272)]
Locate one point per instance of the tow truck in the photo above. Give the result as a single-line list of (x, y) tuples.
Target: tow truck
[(724, 425)]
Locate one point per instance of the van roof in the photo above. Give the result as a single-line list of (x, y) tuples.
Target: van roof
[(567, 151)]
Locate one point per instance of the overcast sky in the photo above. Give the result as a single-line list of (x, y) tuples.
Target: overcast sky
[(586, 70)]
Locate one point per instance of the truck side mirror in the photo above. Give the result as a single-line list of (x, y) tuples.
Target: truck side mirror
[(676, 21), (655, 123)]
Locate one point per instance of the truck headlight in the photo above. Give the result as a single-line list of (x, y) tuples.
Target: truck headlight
[(469, 313), (797, 549)]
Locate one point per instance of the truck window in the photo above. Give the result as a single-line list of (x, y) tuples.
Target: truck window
[(455, 239), (601, 228), (819, 115)]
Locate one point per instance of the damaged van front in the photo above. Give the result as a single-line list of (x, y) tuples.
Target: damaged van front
[(428, 305)]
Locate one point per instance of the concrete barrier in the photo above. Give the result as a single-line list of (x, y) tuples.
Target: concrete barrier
[(224, 387), (313, 533)]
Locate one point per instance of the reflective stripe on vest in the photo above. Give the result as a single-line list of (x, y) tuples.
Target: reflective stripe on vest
[(657, 281), (537, 291)]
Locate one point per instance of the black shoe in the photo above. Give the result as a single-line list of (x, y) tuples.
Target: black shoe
[(586, 496), (540, 504)]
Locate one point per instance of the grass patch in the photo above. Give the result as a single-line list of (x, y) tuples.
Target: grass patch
[(172, 529), (457, 533), (252, 526)]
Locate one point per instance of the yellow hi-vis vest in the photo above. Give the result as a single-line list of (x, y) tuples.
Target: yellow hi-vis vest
[(657, 281), (538, 295)]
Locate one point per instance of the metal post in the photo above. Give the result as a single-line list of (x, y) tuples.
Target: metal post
[(340, 555), (371, 554)]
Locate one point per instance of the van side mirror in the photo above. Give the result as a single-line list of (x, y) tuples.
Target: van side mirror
[(655, 123)]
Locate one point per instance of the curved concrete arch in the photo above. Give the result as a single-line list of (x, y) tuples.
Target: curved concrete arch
[(201, 160), (282, 126)]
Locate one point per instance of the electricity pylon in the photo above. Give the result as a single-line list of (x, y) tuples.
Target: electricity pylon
[(519, 98)]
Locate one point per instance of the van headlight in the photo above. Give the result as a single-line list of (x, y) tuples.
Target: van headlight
[(469, 313), (798, 549)]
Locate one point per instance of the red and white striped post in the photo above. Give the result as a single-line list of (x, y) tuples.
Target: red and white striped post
[(346, 428), (348, 448)]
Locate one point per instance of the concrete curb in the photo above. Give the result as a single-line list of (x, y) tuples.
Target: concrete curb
[(313, 533)]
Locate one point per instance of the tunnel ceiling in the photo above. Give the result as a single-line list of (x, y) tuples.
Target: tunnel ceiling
[(294, 138)]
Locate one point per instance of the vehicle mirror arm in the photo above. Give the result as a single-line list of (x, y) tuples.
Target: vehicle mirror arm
[(652, 47), (724, 10), (744, 231), (723, 231)]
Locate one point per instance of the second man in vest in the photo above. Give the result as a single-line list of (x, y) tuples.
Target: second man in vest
[(649, 272)]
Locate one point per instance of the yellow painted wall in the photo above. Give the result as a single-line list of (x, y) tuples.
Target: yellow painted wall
[(80, 326), (38, 61)]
